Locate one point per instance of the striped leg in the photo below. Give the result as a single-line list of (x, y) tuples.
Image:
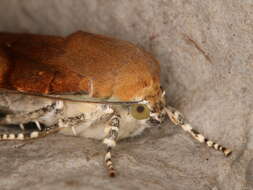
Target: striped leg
[(28, 135), (20, 118), (112, 131), (177, 118)]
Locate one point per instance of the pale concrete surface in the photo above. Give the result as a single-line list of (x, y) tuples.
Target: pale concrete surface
[(205, 50)]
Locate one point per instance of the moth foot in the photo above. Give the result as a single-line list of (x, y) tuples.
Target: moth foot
[(22, 126)]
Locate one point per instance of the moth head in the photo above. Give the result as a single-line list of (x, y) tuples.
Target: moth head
[(151, 109)]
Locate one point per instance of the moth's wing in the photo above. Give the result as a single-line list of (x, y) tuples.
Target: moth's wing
[(75, 97), (118, 68), (87, 98), (55, 66), (27, 65)]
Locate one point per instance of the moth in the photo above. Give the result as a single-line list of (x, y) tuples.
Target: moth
[(87, 85)]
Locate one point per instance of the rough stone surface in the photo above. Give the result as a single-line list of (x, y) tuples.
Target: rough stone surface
[(205, 51)]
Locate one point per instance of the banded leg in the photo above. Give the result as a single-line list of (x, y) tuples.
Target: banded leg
[(112, 131), (21, 118), (61, 124), (177, 118)]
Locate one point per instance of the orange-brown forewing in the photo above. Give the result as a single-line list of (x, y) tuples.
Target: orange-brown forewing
[(100, 66)]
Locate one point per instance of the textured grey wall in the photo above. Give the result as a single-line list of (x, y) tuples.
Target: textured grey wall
[(205, 51)]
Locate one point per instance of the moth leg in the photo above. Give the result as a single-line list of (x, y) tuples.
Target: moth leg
[(177, 118), (28, 135), (74, 131), (37, 124), (112, 131), (22, 127), (21, 118)]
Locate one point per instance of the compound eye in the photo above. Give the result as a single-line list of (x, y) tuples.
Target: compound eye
[(140, 111)]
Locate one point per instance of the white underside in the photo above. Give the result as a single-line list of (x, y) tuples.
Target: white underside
[(96, 115)]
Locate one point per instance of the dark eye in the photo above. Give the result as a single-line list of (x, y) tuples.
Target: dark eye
[(140, 111), (140, 108)]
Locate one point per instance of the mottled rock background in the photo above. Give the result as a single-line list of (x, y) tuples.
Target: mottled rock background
[(205, 51)]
